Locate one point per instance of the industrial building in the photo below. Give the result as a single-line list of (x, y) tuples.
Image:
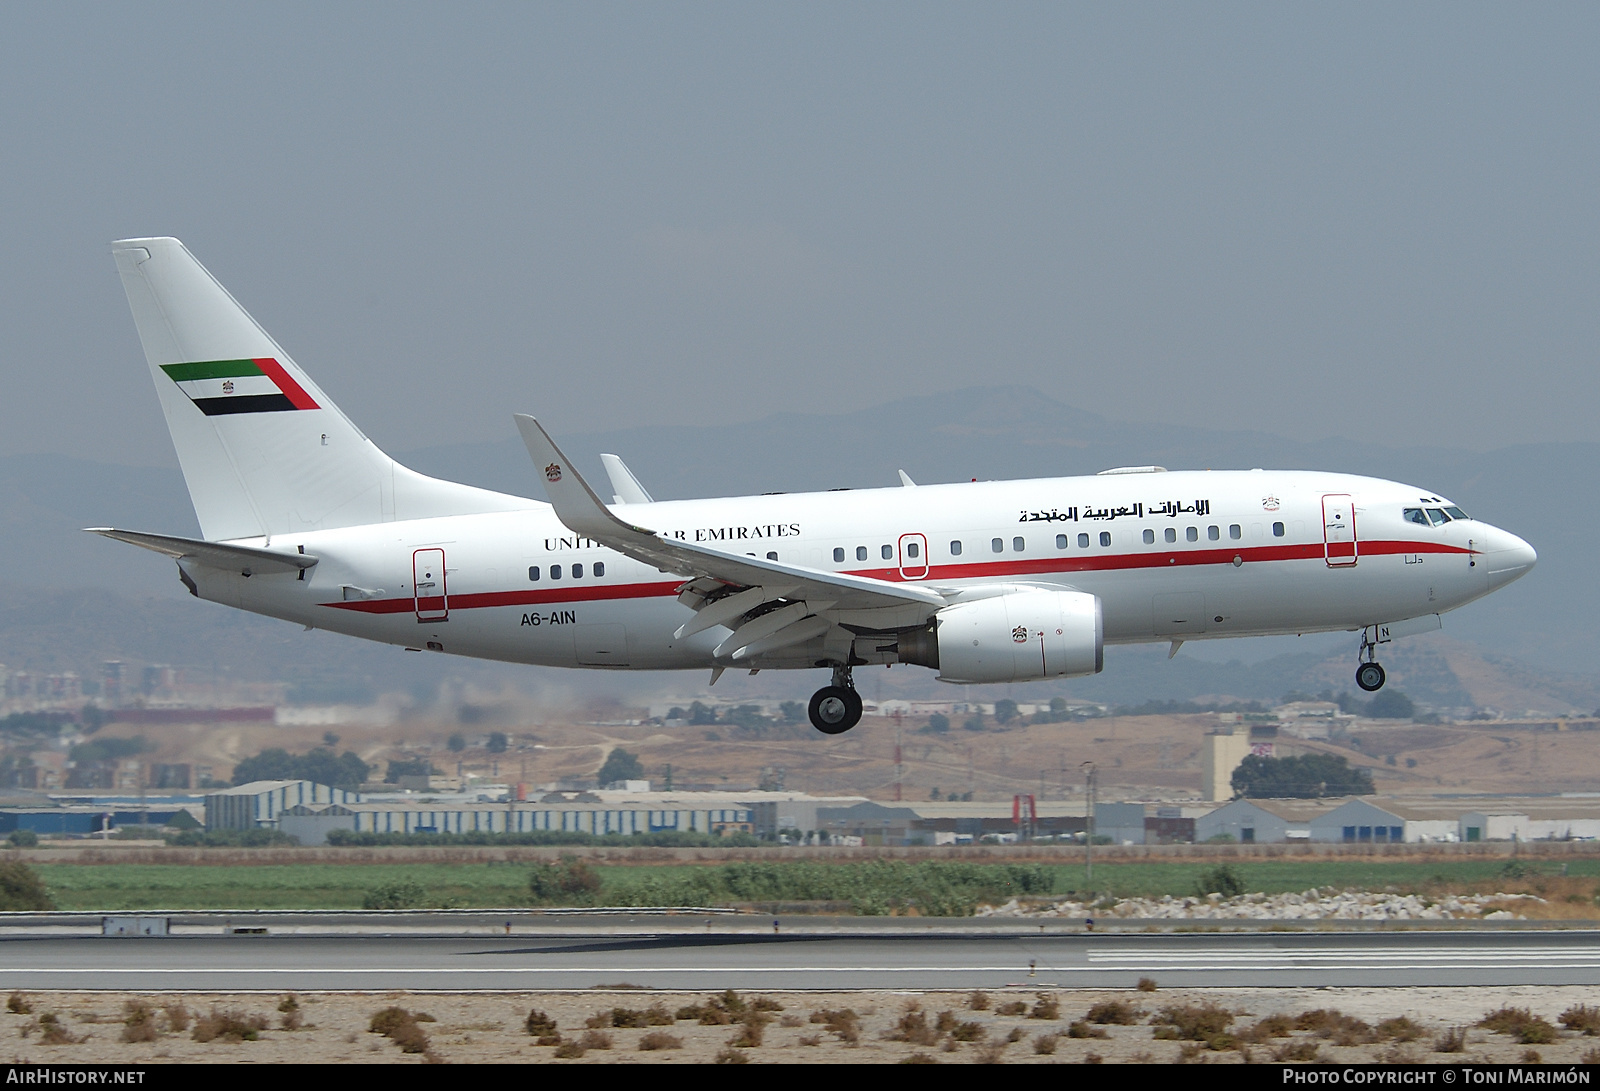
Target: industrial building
[(311, 823), (260, 802)]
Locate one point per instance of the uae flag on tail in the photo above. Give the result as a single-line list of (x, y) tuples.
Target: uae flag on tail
[(219, 387)]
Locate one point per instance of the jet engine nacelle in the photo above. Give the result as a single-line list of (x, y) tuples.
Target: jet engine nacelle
[(1019, 637)]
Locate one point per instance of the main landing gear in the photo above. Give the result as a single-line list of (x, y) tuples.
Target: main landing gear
[(1369, 675), (836, 709)]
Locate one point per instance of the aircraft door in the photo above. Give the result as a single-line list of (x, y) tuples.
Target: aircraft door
[(1339, 530), (427, 584), (913, 557)]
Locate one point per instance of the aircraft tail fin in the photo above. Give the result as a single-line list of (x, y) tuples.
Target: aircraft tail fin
[(264, 450)]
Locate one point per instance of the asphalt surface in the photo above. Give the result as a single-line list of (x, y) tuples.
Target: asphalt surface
[(924, 959)]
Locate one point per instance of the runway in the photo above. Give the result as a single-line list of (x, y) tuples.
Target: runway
[(871, 960)]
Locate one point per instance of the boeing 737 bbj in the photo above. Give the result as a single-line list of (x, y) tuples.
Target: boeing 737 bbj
[(304, 519)]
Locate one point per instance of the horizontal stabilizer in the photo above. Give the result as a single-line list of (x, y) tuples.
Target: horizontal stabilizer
[(243, 559)]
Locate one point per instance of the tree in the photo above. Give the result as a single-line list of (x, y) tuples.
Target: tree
[(1005, 710), (938, 724), (1307, 777), (792, 712), (422, 767), (320, 766), (498, 742), (273, 763), (108, 749), (456, 743), (1391, 704), (620, 765), (974, 722)]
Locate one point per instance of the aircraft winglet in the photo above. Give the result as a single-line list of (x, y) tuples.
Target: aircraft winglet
[(575, 502), (582, 512)]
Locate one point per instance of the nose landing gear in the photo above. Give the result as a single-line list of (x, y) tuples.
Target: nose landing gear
[(1370, 675), (836, 709)]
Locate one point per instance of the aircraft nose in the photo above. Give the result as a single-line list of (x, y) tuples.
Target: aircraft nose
[(1507, 558)]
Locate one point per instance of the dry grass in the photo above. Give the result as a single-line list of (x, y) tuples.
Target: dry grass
[(1337, 1027), (139, 1022), (1115, 1012), (1581, 1017), (228, 1026), (1521, 1024), (1206, 1023)]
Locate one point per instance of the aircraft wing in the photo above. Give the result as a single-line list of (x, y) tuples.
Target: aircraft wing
[(246, 559), (577, 506)]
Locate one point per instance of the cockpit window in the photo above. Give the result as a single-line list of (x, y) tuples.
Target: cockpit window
[(1414, 515), (1439, 518), (1456, 513)]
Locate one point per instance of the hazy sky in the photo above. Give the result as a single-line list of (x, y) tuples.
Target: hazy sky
[(1377, 221)]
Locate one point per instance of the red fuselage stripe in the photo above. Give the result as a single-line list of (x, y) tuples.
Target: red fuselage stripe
[(592, 592)]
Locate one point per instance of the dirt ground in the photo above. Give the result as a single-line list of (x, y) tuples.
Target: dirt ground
[(477, 1027), (1157, 757)]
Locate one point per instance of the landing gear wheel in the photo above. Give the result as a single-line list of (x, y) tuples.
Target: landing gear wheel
[(1370, 677), (834, 709)]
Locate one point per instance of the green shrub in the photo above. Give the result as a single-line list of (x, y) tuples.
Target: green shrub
[(21, 888), (1222, 880), (397, 895)]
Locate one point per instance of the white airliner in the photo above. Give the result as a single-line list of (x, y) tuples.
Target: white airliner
[(305, 519)]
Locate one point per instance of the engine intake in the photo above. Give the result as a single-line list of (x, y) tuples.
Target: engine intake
[(1012, 638)]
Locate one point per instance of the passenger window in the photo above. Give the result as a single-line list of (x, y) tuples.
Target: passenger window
[(1213, 533), (772, 556), (1277, 530), (599, 569), (1061, 541), (861, 553), (1149, 537), (1192, 533), (1083, 541), (533, 574), (1172, 534), (1018, 545), (913, 550), (1439, 518), (1414, 515), (1235, 532), (838, 556), (1105, 537), (997, 545), (555, 571), (955, 549), (577, 571), (886, 552)]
